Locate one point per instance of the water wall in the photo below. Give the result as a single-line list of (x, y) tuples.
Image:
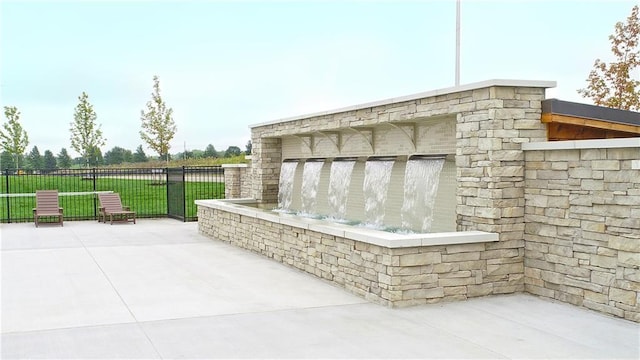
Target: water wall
[(382, 193)]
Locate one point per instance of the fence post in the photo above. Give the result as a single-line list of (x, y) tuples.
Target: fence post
[(6, 179), (95, 205), (184, 198), (166, 170)]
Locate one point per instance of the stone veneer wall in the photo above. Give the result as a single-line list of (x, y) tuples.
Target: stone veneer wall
[(394, 277), (237, 181), (493, 119), (582, 229), (568, 220)]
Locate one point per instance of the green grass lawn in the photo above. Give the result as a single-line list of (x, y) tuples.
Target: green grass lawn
[(145, 197)]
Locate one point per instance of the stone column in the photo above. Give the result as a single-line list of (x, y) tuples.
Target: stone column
[(246, 181), (233, 180), (490, 160), (265, 167)]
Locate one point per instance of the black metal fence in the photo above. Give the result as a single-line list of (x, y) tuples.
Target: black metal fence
[(150, 192)]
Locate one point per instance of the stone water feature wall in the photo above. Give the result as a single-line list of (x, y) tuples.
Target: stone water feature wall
[(582, 224), (567, 214), (481, 126)]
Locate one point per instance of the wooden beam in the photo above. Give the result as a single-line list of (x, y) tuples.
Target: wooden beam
[(560, 131), (598, 124)]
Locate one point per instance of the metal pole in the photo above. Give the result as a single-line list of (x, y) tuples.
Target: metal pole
[(6, 179), (457, 42)]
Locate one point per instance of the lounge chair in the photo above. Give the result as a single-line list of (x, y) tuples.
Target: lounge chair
[(110, 205), (47, 206)]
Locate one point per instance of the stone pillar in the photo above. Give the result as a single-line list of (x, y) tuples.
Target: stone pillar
[(246, 180), (233, 180), (490, 160), (265, 167)]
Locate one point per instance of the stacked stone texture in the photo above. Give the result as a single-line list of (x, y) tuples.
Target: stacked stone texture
[(583, 228), (237, 182), (394, 277), (568, 220), (491, 125), (232, 187)]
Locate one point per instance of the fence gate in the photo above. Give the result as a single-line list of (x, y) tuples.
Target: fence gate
[(175, 194)]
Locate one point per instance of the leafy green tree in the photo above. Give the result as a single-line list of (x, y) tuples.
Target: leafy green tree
[(139, 156), (248, 147), (49, 162), (95, 157), (612, 84), (13, 139), (197, 154), (117, 155), (232, 151), (158, 127), (210, 152), (86, 135), (64, 160), (7, 161), (34, 159)]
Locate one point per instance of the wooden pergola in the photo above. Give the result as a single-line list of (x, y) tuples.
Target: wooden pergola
[(574, 121)]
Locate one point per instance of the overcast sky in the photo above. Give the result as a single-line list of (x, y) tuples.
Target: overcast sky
[(225, 65)]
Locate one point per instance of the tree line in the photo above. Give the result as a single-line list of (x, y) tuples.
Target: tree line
[(157, 130), (47, 161)]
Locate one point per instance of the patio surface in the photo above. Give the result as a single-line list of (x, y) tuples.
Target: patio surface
[(158, 289)]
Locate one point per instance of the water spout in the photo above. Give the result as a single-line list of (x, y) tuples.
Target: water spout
[(376, 183), (339, 181), (285, 188), (420, 189), (310, 181)]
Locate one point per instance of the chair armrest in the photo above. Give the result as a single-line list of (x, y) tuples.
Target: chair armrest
[(60, 210), (126, 208)]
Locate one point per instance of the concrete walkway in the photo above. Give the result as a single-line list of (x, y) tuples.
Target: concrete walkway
[(158, 289)]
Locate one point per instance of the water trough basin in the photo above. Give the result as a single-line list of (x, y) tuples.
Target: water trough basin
[(250, 208)]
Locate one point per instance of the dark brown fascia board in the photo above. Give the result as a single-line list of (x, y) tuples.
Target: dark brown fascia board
[(568, 108)]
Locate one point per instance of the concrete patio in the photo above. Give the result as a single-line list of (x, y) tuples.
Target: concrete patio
[(158, 289)]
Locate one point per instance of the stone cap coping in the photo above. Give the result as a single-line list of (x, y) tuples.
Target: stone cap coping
[(583, 144), (431, 93), (369, 236), (234, 166)]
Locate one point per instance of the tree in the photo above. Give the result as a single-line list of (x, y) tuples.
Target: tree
[(95, 157), (210, 151), (232, 151), (7, 161), (34, 159), (117, 155), (611, 84), (49, 161), (85, 133), (158, 127), (197, 154), (13, 139), (64, 160), (139, 156), (248, 147)]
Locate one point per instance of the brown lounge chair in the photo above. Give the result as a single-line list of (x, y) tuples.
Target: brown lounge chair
[(110, 205), (47, 206)]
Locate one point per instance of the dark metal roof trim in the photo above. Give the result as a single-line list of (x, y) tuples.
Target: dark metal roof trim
[(568, 108)]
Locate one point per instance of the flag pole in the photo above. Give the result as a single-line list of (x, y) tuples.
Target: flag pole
[(457, 42)]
